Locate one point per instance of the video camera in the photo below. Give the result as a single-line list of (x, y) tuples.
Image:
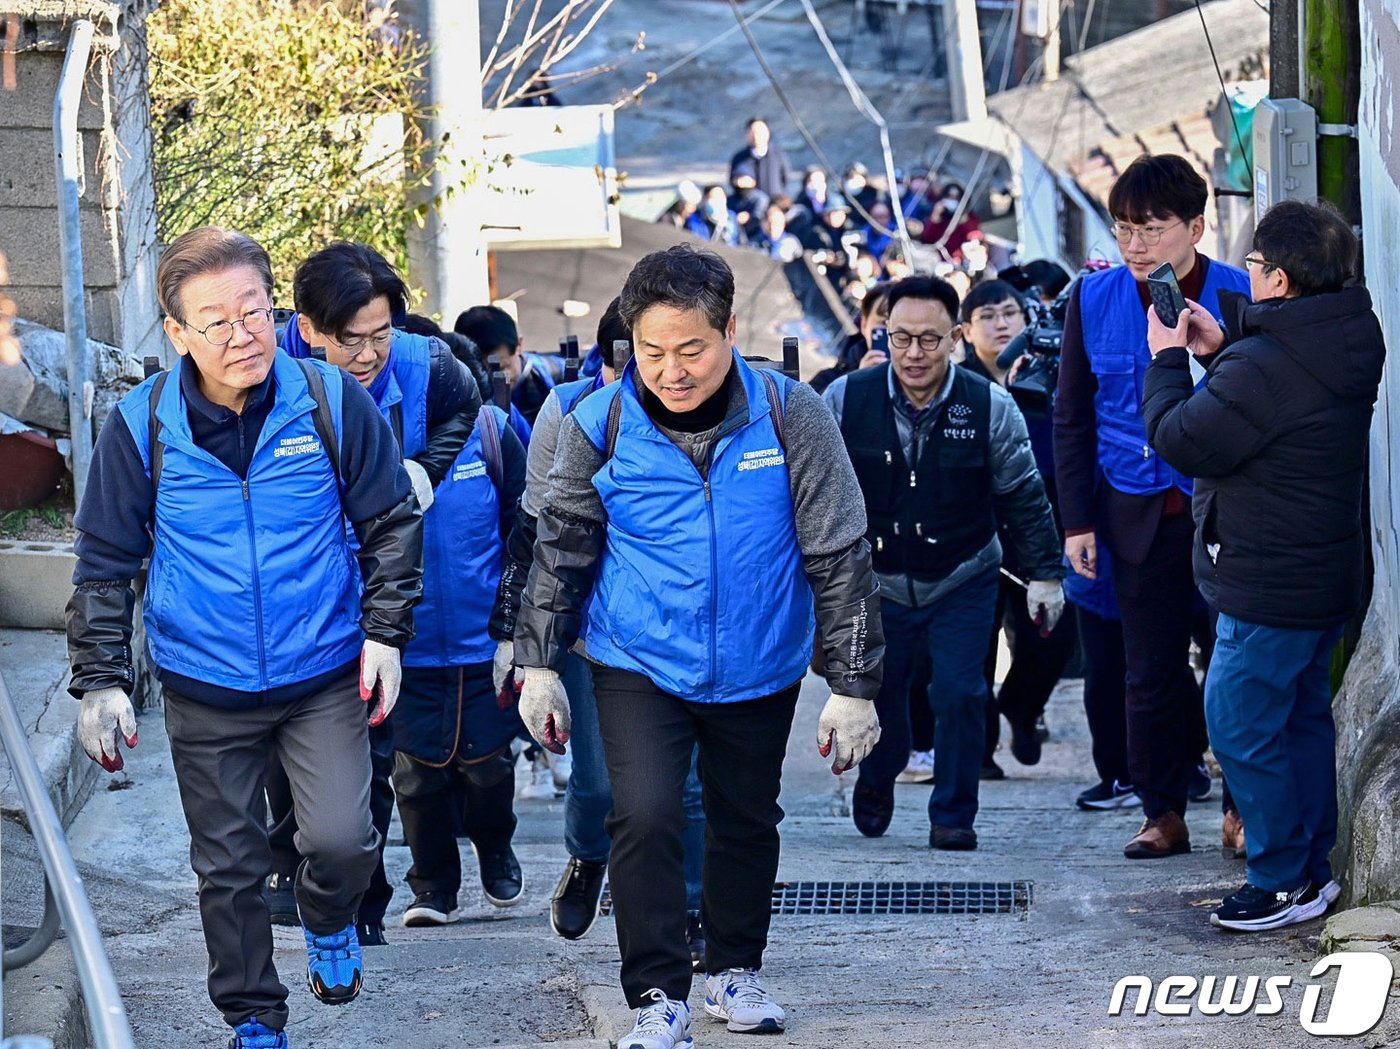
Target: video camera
[(1033, 389)]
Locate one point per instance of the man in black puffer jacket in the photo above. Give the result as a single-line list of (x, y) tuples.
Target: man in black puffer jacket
[(1278, 438)]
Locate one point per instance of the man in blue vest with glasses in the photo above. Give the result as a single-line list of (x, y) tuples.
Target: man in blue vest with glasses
[(699, 509), (1116, 490), (237, 471)]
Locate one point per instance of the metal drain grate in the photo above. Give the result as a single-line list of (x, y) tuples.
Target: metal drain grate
[(892, 897)]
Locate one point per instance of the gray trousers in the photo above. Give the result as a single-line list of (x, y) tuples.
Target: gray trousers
[(220, 759)]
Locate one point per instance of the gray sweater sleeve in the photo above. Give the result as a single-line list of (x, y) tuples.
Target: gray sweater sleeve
[(544, 441), (1019, 493), (826, 497)]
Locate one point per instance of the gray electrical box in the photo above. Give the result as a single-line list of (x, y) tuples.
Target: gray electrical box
[(1285, 153)]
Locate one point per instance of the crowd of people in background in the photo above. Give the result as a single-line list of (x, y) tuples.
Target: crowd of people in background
[(844, 226)]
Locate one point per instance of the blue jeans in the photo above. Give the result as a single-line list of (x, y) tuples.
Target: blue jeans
[(1269, 711), (954, 631), (589, 796)]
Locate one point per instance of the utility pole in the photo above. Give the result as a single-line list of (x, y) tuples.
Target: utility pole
[(966, 84), (1331, 82), (1283, 49), (447, 253)]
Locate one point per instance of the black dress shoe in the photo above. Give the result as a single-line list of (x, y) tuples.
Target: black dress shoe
[(574, 907), (371, 934), (952, 839), (282, 900), (991, 770), (1025, 743), (872, 809)]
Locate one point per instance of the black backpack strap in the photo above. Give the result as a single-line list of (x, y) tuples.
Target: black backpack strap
[(155, 453), (325, 425), (775, 406), (491, 448), (614, 424)]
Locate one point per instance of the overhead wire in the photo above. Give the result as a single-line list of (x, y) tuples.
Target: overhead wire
[(1224, 96)]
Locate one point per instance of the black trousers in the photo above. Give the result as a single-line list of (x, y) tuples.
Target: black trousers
[(1104, 709), (1036, 662), (437, 803), (1165, 711), (648, 739), (281, 832)]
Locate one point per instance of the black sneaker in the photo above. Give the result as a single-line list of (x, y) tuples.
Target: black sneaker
[(872, 809), (1198, 784), (1104, 796), (1253, 909), (991, 770), (952, 839), (501, 878), (574, 906), (695, 937), (371, 934), (1025, 744), (282, 900), (431, 908)]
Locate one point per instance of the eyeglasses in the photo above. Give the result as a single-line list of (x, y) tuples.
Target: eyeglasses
[(992, 316), (928, 340), (1150, 235), (356, 343), (220, 333), (1255, 260)]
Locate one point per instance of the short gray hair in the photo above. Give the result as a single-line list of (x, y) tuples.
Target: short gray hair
[(208, 249), (683, 277)]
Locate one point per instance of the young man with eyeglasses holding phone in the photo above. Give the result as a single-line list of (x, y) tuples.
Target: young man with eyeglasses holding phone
[(1115, 489), (942, 457)]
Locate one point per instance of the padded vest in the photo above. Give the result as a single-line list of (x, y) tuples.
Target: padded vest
[(1114, 322), (924, 518)]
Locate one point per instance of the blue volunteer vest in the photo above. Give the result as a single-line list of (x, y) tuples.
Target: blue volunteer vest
[(570, 393), (251, 584), (1115, 339), (462, 552), (404, 399), (700, 586)]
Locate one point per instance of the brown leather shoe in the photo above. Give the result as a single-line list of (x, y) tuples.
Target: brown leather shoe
[(1164, 835), (1232, 835)]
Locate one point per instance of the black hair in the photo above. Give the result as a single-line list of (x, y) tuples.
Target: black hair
[(490, 327), (1164, 186), (465, 351), (756, 120), (417, 324), (989, 293), (1311, 243), (874, 296), (1047, 275), (932, 289), (611, 330), (683, 277), (340, 280)]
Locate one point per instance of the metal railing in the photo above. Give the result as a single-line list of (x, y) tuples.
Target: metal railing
[(65, 900)]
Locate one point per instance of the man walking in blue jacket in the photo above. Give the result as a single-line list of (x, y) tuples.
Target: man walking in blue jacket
[(229, 471), (699, 509)]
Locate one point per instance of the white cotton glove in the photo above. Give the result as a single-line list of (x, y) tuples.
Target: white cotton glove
[(422, 487), (501, 664), (849, 727), (106, 711), (380, 672), (1045, 600), (544, 707)]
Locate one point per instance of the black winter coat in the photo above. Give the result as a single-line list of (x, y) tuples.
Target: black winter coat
[(1278, 440)]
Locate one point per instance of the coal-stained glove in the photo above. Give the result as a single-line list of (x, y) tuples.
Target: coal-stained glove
[(544, 707), (501, 663), (1045, 600), (849, 728), (422, 487), (380, 673), (106, 712)]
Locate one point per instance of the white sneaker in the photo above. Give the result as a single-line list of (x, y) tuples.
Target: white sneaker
[(561, 767), (541, 783), (737, 995), (919, 769), (665, 1024)]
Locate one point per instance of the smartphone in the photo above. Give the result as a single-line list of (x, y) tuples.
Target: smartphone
[(1166, 295), (880, 341)]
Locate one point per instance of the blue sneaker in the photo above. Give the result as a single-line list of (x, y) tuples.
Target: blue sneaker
[(334, 971), (253, 1035)]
